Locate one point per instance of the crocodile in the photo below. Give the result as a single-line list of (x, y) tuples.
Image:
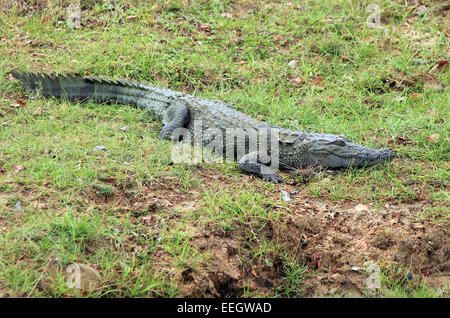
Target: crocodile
[(177, 111)]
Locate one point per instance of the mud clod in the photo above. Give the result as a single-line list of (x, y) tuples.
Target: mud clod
[(225, 285)]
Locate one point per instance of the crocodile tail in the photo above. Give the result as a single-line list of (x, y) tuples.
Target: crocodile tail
[(78, 88)]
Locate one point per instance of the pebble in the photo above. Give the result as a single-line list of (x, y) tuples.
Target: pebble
[(285, 196), (18, 206), (293, 64), (97, 148)]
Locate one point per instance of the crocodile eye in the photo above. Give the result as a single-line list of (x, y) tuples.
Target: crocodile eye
[(339, 142)]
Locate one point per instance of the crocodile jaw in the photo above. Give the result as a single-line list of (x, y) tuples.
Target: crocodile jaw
[(333, 151)]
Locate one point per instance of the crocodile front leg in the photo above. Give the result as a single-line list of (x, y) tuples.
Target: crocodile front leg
[(177, 116), (249, 164)]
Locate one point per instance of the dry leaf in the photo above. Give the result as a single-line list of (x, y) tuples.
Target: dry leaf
[(399, 140), (431, 112), (433, 138), (439, 65), (147, 219), (108, 179), (432, 83), (332, 20), (38, 111), (399, 98), (318, 81), (131, 17), (416, 96), (205, 27), (442, 64), (420, 10), (316, 260), (275, 92), (18, 168), (44, 19), (296, 81)]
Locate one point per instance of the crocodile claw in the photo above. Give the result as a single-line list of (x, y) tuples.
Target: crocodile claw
[(273, 178)]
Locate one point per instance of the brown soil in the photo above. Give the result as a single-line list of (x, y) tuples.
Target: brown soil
[(334, 239)]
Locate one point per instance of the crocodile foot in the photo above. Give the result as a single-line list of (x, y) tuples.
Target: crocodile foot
[(273, 178)]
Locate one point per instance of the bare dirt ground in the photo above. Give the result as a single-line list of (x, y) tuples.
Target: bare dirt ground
[(335, 239)]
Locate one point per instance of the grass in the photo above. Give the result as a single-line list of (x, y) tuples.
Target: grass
[(399, 283), (292, 281), (349, 79)]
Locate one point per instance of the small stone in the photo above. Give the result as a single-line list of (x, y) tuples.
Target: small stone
[(124, 128), (97, 148), (409, 275), (355, 268), (285, 196), (18, 206), (293, 64)]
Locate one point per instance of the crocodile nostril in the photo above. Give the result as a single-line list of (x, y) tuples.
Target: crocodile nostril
[(391, 154), (388, 154)]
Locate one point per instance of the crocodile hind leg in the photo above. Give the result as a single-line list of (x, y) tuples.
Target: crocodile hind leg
[(177, 117), (249, 164)]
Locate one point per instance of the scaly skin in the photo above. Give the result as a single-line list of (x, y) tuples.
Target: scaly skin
[(202, 116)]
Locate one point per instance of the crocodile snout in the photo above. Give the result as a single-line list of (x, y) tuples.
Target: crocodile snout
[(388, 154)]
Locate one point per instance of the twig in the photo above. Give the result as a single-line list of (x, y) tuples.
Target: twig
[(39, 279)]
